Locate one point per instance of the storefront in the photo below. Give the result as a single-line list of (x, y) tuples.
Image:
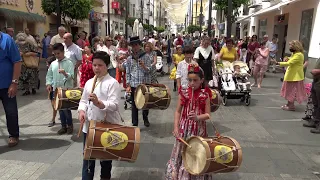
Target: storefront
[(23, 14), (296, 20)]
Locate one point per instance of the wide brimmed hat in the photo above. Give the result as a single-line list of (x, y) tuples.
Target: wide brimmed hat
[(135, 40)]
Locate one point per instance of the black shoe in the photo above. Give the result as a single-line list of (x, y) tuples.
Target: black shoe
[(316, 130), (34, 91), (26, 93), (306, 118), (51, 124), (63, 130), (311, 124), (70, 129), (135, 125), (146, 123)]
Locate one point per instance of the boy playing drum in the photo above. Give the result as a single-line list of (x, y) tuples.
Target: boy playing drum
[(60, 74), (101, 104)]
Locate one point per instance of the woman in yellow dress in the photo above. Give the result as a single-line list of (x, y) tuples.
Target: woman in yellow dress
[(176, 59), (228, 53)]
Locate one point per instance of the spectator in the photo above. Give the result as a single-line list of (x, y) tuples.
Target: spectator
[(10, 63)]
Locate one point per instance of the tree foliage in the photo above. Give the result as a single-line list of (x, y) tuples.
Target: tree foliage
[(159, 29), (130, 21), (193, 28), (236, 4), (148, 28), (75, 10)]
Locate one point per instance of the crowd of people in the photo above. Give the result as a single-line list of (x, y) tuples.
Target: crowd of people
[(101, 64)]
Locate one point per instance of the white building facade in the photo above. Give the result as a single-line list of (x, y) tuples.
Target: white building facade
[(287, 19)]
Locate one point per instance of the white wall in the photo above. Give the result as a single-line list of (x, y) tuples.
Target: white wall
[(295, 13)]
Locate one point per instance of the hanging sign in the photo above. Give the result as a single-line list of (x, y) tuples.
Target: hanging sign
[(115, 5)]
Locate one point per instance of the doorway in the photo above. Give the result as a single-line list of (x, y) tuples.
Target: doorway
[(281, 31)]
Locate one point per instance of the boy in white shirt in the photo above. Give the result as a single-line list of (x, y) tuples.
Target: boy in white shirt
[(102, 104), (182, 68)]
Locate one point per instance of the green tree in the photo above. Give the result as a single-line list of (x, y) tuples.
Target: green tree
[(72, 11), (193, 28), (130, 21), (236, 4), (159, 29)]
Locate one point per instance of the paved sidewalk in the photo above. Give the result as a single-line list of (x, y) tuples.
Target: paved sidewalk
[(275, 145)]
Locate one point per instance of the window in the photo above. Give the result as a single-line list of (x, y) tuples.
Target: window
[(305, 28), (133, 10), (262, 29), (121, 27)]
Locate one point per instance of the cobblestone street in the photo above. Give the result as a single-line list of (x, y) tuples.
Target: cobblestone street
[(275, 145)]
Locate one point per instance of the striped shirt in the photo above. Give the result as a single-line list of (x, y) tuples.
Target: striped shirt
[(135, 74)]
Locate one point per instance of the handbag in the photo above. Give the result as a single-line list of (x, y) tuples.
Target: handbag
[(31, 61)]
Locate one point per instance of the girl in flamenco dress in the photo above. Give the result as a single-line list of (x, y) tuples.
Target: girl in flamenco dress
[(86, 67), (193, 109)]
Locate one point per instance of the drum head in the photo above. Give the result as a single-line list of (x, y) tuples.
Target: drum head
[(139, 98), (195, 158)]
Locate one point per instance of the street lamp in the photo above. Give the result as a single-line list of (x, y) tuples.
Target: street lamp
[(229, 23), (201, 17), (210, 18), (148, 4), (58, 14)]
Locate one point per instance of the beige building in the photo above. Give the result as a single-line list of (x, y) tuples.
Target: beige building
[(21, 14)]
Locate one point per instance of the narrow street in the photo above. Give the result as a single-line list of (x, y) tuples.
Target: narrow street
[(274, 143)]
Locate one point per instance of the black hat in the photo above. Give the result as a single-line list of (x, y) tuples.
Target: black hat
[(135, 40)]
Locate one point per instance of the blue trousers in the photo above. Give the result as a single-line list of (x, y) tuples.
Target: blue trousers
[(11, 110)]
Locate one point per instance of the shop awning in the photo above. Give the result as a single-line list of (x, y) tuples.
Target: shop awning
[(23, 16), (274, 8), (244, 18)]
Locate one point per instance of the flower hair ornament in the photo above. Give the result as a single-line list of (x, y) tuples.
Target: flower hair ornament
[(195, 68)]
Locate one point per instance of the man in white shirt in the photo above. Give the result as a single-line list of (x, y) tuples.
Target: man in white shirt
[(30, 37), (182, 68), (113, 53), (59, 37), (101, 104), (74, 53)]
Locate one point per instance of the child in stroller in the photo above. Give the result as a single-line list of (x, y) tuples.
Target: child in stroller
[(240, 77), (127, 99), (159, 65), (234, 81)]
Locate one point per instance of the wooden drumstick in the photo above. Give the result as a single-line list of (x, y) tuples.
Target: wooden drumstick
[(184, 142), (94, 84), (191, 104)]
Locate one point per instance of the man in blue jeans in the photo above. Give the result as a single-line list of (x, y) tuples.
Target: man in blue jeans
[(10, 68)]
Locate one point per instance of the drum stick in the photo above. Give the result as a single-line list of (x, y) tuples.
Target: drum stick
[(192, 98), (184, 142), (94, 84)]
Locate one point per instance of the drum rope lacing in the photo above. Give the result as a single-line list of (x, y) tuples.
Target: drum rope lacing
[(155, 91), (118, 141)]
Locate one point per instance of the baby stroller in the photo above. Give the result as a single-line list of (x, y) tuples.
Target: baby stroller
[(127, 99), (234, 82), (159, 65)]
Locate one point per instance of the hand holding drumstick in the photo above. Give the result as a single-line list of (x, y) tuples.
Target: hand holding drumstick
[(82, 113)]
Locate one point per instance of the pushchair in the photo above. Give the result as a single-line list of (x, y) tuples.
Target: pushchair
[(159, 64), (234, 85), (127, 100)]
